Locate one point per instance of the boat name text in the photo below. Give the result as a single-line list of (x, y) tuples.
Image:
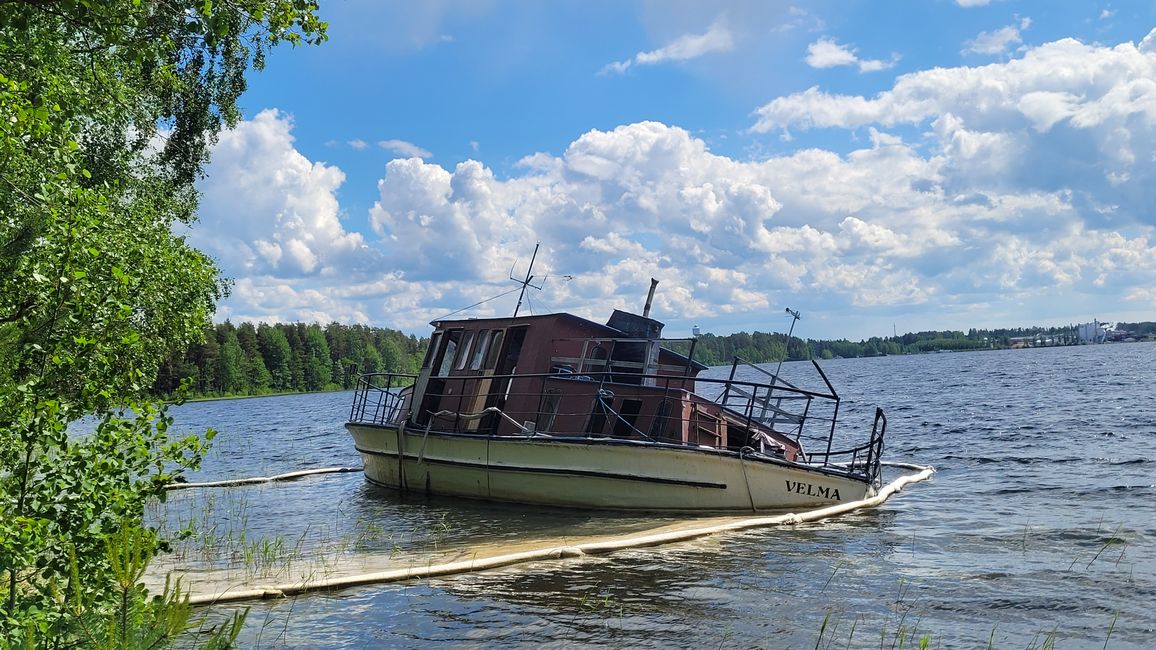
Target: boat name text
[(799, 487)]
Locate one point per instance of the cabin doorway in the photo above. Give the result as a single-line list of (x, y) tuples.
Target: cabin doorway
[(439, 358), (511, 350)]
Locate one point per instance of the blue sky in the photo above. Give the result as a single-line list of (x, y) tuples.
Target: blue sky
[(923, 165)]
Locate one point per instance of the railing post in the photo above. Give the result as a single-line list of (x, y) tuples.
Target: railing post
[(727, 387), (356, 400), (831, 433), (875, 447)]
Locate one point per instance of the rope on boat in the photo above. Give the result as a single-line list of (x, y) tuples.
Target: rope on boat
[(559, 552), (262, 479), (746, 479), (486, 411)]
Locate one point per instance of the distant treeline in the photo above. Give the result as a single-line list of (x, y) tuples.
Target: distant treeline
[(762, 347), (1141, 329), (257, 360)]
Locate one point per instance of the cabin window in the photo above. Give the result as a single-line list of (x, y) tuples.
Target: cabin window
[(432, 349), (480, 349), (549, 409), (627, 416), (595, 360), (452, 338), (495, 349), (513, 350), (464, 351)]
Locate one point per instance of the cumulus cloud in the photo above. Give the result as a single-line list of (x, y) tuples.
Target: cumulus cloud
[(1082, 76), (359, 145), (1148, 43), (827, 53), (883, 227), (267, 208), (688, 46), (997, 42), (1023, 183), (1065, 110), (403, 148)]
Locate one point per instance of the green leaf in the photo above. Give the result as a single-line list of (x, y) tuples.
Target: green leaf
[(97, 289)]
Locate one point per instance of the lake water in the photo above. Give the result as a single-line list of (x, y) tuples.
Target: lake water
[(1038, 528)]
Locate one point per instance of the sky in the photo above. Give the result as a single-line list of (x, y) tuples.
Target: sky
[(879, 167)]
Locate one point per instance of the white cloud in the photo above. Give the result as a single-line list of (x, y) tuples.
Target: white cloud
[(403, 148), (1024, 182), (999, 41), (875, 228), (972, 3), (827, 53), (1148, 44), (360, 145), (1045, 157), (268, 209), (1065, 114), (688, 46), (615, 67)]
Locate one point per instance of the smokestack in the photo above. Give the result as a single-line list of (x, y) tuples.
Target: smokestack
[(649, 298)]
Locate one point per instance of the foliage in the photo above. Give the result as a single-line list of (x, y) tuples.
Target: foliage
[(287, 358), (107, 111), (141, 622), (1146, 328)]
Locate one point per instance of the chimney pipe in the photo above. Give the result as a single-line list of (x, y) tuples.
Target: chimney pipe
[(649, 298)]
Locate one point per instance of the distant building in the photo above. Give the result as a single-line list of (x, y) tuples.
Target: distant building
[(1093, 332)]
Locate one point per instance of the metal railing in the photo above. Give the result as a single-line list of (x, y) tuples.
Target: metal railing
[(866, 459), (382, 398), (656, 408)]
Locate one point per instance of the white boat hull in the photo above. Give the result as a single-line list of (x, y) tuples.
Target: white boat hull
[(599, 473)]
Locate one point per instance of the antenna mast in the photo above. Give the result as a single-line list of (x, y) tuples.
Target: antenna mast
[(795, 316), (526, 282)]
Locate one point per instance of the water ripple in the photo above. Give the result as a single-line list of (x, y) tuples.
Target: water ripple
[(1038, 525)]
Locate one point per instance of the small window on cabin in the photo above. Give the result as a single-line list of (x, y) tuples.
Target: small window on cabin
[(432, 349), (452, 338), (661, 418), (495, 350), (464, 351), (480, 347), (596, 360)]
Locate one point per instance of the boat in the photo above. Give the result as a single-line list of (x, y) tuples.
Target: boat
[(558, 410)]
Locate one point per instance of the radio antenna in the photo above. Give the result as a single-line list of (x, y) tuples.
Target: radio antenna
[(526, 282), (795, 316)]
